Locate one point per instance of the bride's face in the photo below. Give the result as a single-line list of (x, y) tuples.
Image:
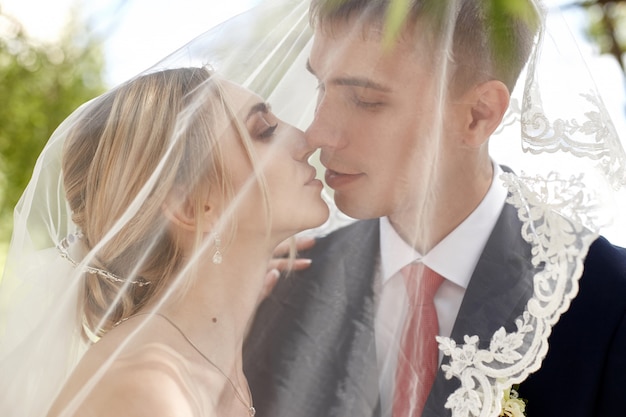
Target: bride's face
[(281, 154)]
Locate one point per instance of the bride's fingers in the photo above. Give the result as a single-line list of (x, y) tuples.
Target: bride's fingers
[(281, 263), (271, 278), (284, 264), (274, 269), (302, 243)]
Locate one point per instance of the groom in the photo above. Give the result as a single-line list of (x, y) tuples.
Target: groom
[(413, 159)]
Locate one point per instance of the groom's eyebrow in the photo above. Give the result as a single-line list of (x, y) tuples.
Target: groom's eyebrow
[(353, 81)]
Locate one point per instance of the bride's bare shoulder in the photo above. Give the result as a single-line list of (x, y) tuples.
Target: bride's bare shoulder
[(151, 380), (154, 374)]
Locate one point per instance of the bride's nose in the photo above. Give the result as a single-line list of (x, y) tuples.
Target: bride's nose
[(299, 148)]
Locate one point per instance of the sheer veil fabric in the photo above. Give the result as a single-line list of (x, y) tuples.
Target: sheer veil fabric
[(567, 185), (42, 313)]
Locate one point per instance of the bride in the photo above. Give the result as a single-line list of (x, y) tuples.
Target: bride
[(227, 192), (180, 185), (141, 245)]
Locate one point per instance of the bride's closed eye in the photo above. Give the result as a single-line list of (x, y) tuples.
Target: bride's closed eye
[(261, 122), (269, 132)]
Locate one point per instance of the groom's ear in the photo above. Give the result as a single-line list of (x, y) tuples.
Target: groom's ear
[(486, 105)]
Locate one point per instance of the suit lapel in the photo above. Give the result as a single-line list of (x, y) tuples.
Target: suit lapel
[(497, 294), (312, 351), (501, 283), (356, 267)]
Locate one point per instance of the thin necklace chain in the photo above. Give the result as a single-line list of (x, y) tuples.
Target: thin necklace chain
[(249, 405)]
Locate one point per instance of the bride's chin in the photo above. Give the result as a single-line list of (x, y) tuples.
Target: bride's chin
[(316, 217), (324, 214)]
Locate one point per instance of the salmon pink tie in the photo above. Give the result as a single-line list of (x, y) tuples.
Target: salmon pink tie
[(418, 355)]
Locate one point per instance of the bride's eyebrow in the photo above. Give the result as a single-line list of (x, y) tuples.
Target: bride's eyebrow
[(259, 107)]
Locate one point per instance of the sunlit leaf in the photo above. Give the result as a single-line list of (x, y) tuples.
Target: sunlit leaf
[(394, 20), (500, 16)]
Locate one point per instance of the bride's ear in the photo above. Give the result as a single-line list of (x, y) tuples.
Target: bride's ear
[(488, 103), (179, 210)]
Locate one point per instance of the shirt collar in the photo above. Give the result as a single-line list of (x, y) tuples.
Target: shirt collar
[(456, 256)]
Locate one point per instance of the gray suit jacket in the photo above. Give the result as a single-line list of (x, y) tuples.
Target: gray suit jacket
[(311, 350)]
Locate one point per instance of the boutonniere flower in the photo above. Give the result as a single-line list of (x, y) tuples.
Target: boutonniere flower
[(512, 404)]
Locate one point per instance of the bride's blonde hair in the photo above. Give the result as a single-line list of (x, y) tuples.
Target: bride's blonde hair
[(131, 149)]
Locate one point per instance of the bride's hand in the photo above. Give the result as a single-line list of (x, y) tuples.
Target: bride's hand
[(281, 262)]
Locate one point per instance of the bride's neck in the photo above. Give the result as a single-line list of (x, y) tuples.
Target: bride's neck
[(220, 301)]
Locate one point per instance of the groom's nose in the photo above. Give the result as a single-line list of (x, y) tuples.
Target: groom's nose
[(327, 129)]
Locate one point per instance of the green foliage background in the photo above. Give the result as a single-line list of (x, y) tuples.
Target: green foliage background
[(40, 85), (607, 26)]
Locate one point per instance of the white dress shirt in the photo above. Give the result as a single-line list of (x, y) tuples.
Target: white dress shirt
[(454, 258)]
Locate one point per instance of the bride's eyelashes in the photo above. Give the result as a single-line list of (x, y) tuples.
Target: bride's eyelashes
[(261, 122), (264, 126), (269, 132)]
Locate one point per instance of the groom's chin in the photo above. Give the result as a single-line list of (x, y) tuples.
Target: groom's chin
[(360, 207)]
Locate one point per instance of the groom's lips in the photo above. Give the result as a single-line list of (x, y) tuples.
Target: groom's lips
[(336, 180)]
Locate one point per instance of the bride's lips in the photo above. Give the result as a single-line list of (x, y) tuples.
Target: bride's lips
[(337, 180), (311, 180)]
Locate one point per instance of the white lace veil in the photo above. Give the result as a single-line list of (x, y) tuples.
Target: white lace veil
[(567, 186)]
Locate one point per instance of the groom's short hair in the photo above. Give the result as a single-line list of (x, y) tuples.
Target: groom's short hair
[(486, 44)]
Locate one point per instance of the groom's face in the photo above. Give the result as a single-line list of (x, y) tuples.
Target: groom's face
[(376, 120)]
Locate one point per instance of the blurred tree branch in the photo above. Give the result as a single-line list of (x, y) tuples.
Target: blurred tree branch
[(607, 26)]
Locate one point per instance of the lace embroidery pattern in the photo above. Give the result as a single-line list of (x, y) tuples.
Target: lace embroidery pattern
[(559, 245), (593, 137)]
